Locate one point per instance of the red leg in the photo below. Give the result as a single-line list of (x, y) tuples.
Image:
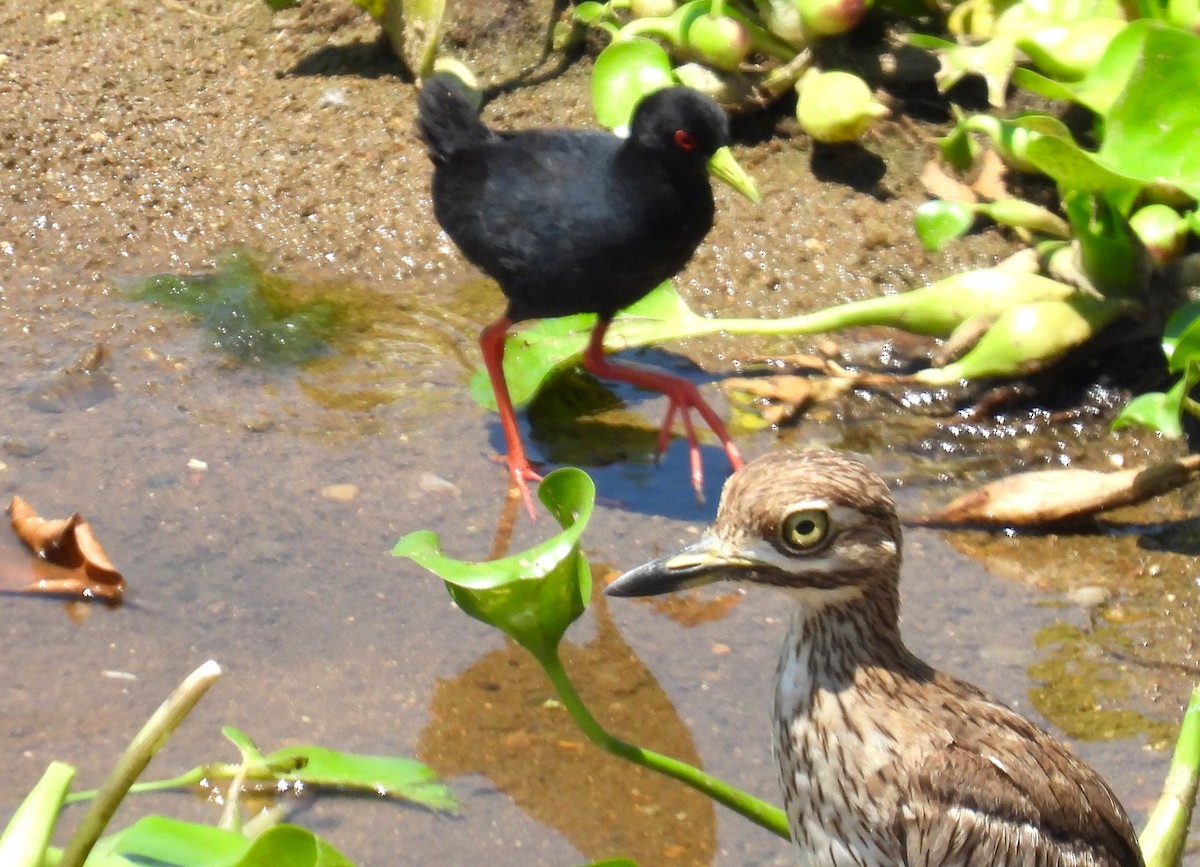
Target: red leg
[(683, 397), (491, 342)]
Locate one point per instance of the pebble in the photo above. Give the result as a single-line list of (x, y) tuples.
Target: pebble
[(433, 484), (1089, 596), (343, 493)]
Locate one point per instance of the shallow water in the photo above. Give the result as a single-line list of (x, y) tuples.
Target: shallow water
[(183, 137)]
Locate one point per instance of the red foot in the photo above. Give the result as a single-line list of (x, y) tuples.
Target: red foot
[(682, 395), (520, 473)]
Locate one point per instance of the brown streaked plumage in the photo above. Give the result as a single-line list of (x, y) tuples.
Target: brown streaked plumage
[(883, 760)]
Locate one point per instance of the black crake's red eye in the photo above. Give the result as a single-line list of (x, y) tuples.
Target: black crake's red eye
[(684, 140)]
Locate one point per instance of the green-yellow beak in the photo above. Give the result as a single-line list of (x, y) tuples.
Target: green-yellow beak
[(724, 167)]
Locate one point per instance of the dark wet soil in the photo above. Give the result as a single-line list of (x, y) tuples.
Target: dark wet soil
[(151, 137)]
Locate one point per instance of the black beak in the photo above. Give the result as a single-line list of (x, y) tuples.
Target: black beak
[(702, 562)]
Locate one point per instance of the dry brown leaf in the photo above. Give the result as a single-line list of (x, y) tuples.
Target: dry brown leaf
[(989, 182), (791, 393), (785, 387), (940, 185), (70, 561), (1051, 496)]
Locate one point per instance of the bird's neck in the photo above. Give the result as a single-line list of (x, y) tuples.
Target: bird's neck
[(838, 640)]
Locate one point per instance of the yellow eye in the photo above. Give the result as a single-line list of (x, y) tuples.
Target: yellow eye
[(805, 530)]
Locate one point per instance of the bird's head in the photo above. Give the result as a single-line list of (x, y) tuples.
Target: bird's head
[(686, 128), (816, 522)]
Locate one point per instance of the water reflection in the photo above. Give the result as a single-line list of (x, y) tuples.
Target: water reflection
[(499, 718)]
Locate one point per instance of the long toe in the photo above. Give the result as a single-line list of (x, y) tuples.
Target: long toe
[(522, 474)]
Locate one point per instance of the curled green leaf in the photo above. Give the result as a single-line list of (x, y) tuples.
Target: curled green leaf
[(532, 596)]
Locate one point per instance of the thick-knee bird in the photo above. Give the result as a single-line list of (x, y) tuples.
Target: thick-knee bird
[(884, 761)]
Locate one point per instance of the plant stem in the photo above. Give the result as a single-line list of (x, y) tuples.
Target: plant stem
[(133, 761), (760, 812), (1165, 834)]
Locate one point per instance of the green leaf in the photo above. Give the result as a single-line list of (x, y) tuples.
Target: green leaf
[(624, 72), (27, 835), (1147, 139), (1156, 410), (590, 12), (169, 842), (389, 776), (394, 777), (1029, 337), (532, 596), (938, 222), (1147, 136), (532, 355), (1073, 168), (1109, 254), (413, 28), (1099, 89), (1181, 337)]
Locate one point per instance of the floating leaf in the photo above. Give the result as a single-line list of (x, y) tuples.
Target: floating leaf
[(1052, 496), (533, 354), (389, 776), (70, 562), (532, 596)]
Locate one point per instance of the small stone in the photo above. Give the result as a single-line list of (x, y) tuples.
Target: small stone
[(20, 447), (197, 465), (343, 493), (1089, 596), (432, 484)]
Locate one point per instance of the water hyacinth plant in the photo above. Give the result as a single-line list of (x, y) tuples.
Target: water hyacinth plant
[(1129, 204), (534, 596), (743, 56)]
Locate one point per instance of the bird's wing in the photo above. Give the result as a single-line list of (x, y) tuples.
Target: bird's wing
[(525, 196), (997, 789)]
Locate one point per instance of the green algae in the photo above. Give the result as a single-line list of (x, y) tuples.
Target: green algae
[(1082, 691), (252, 313)]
